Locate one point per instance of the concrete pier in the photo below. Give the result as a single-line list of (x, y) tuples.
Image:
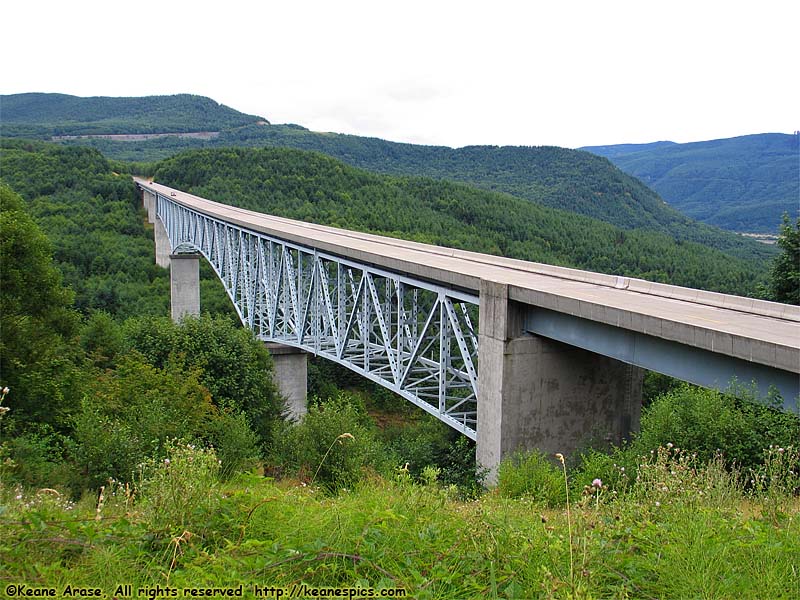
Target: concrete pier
[(291, 377), (162, 244), (150, 205), (538, 393), (184, 280)]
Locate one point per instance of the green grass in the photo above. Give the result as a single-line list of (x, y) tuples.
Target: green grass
[(659, 539)]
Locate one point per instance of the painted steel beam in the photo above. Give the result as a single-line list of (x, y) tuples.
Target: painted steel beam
[(414, 337), (695, 365)]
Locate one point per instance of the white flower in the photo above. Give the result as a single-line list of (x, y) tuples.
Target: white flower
[(597, 483)]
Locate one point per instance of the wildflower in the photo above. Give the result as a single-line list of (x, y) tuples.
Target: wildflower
[(780, 450), (597, 483), (4, 410), (669, 444), (18, 496), (166, 461), (658, 503), (6, 390)]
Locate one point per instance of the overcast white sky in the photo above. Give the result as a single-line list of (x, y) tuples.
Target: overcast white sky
[(554, 72)]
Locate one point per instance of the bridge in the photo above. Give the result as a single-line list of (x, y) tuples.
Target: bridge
[(510, 353)]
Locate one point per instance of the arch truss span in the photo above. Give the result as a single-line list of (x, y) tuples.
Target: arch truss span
[(418, 339)]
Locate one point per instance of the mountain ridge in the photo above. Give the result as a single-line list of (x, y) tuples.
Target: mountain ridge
[(561, 178), (745, 183), (43, 114)]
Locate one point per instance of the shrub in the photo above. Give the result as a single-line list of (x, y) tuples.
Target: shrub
[(101, 339), (236, 444), (672, 475), (132, 411), (179, 490), (709, 422), (331, 446), (779, 475), (615, 470), (421, 444), (230, 362), (427, 442), (531, 475), (39, 458), (107, 447)]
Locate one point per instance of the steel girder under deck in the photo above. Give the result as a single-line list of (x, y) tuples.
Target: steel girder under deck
[(418, 339)]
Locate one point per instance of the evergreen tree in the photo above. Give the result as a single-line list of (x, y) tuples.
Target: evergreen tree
[(785, 280), (36, 320)]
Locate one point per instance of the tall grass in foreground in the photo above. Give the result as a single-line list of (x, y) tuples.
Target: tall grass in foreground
[(683, 529)]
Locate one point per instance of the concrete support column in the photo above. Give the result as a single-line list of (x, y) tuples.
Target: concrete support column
[(291, 377), (184, 280), (538, 393), (162, 244), (150, 205)]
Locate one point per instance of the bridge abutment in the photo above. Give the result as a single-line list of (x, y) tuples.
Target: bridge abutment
[(542, 394), (291, 377), (184, 281)]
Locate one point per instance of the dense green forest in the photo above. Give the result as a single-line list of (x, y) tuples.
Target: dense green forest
[(90, 211), (744, 184), (100, 379), (45, 115), (558, 177), (140, 451), (317, 188)]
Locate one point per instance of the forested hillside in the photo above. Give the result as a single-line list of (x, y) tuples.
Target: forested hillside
[(45, 115), (557, 177), (744, 184), (92, 216), (567, 179), (561, 178), (317, 188)]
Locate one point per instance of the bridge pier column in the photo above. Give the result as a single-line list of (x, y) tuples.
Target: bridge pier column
[(162, 244), (184, 282), (538, 393), (291, 377), (150, 205)]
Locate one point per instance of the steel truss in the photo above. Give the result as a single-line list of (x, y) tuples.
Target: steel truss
[(418, 339)]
